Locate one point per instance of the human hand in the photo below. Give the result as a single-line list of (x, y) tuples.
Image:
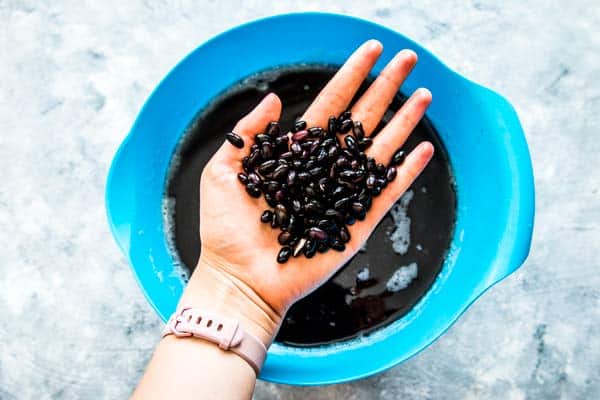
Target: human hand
[(237, 272)]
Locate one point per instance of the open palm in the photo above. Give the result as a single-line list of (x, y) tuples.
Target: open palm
[(235, 243)]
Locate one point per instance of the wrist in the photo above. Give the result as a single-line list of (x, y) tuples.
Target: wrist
[(214, 289)]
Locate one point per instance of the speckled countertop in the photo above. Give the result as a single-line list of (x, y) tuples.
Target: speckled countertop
[(74, 74)]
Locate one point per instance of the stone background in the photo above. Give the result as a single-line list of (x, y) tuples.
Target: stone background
[(74, 74)]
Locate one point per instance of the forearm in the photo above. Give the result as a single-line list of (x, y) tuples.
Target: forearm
[(195, 368)]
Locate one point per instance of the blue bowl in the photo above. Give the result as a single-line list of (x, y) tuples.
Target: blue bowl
[(479, 128)]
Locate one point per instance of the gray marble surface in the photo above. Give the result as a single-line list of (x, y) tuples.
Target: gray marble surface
[(74, 74)]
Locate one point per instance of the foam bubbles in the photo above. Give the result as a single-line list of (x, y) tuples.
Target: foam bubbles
[(402, 277), (400, 236)]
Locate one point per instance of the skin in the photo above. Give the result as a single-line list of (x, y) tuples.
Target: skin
[(237, 275)]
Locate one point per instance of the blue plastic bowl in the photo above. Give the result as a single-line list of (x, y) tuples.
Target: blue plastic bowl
[(479, 128)]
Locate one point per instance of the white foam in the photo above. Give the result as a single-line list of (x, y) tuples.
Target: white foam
[(402, 277), (400, 236), (364, 274), (168, 214)]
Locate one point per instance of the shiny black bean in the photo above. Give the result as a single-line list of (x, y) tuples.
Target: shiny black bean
[(316, 171), (314, 207), (322, 247), (300, 135), (281, 214), (266, 150), (303, 176), (342, 162), (332, 151), (381, 169), (270, 200), (281, 171), (338, 245), (332, 125), (284, 237), (341, 203), (297, 164), (326, 224), (314, 146), (310, 248), (344, 234), (266, 216), (304, 155), (348, 185), (253, 190), (242, 177), (261, 138), (365, 143), (398, 157), (316, 131), (254, 178), (273, 129), (279, 196), (291, 177), (324, 184), (296, 148), (358, 130), (298, 247), (355, 164), (235, 139), (317, 233), (346, 115), (345, 126), (296, 206), (288, 155), (281, 143), (391, 173), (245, 164), (339, 191), (328, 142), (371, 181), (371, 164), (284, 254), (332, 171), (267, 166), (350, 220), (358, 210), (272, 186), (299, 126), (322, 155)]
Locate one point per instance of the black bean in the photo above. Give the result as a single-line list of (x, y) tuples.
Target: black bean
[(328, 142), (291, 177), (358, 210), (281, 143), (341, 203), (281, 171), (297, 164), (371, 181), (326, 224), (266, 150), (284, 254), (332, 151), (252, 190), (371, 164), (344, 234), (279, 196), (267, 166), (391, 173), (299, 246), (296, 148), (339, 191), (342, 162), (316, 171), (254, 158), (284, 237), (245, 164), (346, 115), (358, 130), (296, 206), (324, 184), (273, 129), (351, 143), (338, 245), (381, 169), (281, 214), (303, 176), (365, 143), (300, 136), (242, 177), (261, 138), (254, 178), (310, 248), (235, 139), (316, 131), (266, 216), (332, 171), (314, 207), (272, 186), (348, 185), (314, 146), (332, 125), (270, 200), (322, 247), (398, 157), (322, 155), (345, 126), (298, 126), (350, 220), (317, 233), (288, 155)]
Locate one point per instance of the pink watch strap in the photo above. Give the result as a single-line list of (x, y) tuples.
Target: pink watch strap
[(225, 332)]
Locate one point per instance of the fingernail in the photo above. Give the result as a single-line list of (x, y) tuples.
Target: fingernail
[(424, 93), (374, 44), (407, 53)]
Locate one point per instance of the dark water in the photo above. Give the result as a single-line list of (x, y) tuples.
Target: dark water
[(344, 306)]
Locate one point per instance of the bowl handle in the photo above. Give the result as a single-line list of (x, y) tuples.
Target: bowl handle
[(514, 248), (118, 196)]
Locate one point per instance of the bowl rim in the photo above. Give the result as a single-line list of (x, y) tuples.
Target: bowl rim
[(528, 189)]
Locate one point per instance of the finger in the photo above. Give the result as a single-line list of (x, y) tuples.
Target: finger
[(395, 133), (269, 109), (339, 91), (372, 105), (413, 165)]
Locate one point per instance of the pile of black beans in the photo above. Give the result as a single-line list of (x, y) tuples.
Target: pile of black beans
[(316, 187)]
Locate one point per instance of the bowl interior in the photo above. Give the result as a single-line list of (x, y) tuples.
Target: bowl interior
[(478, 128)]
